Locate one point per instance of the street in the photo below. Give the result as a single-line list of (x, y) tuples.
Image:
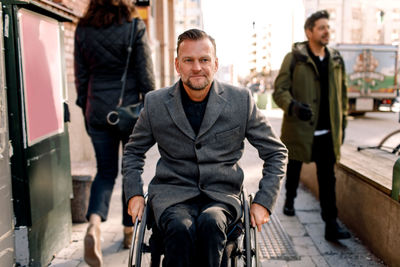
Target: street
[(367, 130), (370, 129)]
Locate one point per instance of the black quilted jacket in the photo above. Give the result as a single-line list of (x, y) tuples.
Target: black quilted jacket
[(100, 58)]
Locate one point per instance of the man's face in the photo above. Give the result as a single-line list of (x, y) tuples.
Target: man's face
[(196, 63), (319, 34)]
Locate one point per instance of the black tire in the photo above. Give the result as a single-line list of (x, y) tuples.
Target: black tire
[(357, 113), (142, 231), (137, 238), (255, 248), (247, 234), (133, 244)]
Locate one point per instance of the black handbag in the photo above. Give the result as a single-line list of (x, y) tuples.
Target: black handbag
[(125, 117)]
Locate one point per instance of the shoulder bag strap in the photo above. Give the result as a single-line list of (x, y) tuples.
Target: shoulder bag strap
[(130, 48)]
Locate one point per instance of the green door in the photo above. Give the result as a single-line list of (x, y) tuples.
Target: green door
[(40, 163)]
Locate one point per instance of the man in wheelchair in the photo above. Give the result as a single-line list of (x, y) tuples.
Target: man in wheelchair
[(199, 125)]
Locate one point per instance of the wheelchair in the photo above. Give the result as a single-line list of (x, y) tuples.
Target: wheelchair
[(241, 248)]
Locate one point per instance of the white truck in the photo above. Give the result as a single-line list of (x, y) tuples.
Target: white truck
[(371, 72)]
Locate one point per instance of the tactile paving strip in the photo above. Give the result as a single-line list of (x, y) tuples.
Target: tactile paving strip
[(275, 243)]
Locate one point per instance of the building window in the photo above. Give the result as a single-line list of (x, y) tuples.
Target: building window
[(380, 15), (356, 35), (396, 14), (395, 35), (378, 35), (333, 34), (356, 13)]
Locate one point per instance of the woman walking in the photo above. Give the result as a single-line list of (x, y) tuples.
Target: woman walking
[(101, 41)]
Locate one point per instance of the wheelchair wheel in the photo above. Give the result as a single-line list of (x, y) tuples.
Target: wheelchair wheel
[(135, 252), (139, 249), (255, 244), (251, 249), (133, 244)]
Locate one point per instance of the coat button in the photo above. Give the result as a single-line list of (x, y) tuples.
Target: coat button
[(315, 100), (311, 123), (198, 146)]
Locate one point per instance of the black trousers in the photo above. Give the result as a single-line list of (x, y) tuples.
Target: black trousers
[(324, 158), (194, 232)]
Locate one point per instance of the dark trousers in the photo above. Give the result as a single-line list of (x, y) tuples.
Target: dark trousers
[(324, 158), (195, 232), (106, 145)]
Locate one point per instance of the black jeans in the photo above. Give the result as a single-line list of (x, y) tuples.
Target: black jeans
[(324, 157), (195, 232), (106, 145)]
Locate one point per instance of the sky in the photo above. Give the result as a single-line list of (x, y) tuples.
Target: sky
[(230, 22)]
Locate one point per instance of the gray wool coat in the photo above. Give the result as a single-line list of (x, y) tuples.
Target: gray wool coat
[(207, 163)]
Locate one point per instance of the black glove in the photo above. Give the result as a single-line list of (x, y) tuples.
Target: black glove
[(301, 110), (342, 136)]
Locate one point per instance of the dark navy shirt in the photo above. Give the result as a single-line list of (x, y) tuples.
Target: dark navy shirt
[(194, 110)]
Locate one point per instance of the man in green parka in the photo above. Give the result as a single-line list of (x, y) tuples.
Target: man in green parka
[(311, 89)]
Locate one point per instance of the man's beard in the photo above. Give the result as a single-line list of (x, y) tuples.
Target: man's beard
[(322, 42), (199, 87)]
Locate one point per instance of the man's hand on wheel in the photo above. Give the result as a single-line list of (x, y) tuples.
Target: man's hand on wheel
[(258, 215), (136, 207)]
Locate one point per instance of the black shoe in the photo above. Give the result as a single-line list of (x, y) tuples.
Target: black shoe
[(288, 208), (334, 232)]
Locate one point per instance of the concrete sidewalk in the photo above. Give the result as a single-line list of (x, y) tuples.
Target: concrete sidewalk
[(306, 229)]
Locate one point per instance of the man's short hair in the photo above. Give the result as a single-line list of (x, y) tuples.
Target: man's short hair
[(194, 34), (310, 22)]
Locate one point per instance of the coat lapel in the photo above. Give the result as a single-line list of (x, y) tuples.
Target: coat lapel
[(175, 109), (215, 105)]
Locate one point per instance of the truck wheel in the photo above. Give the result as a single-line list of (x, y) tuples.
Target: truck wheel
[(357, 114)]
